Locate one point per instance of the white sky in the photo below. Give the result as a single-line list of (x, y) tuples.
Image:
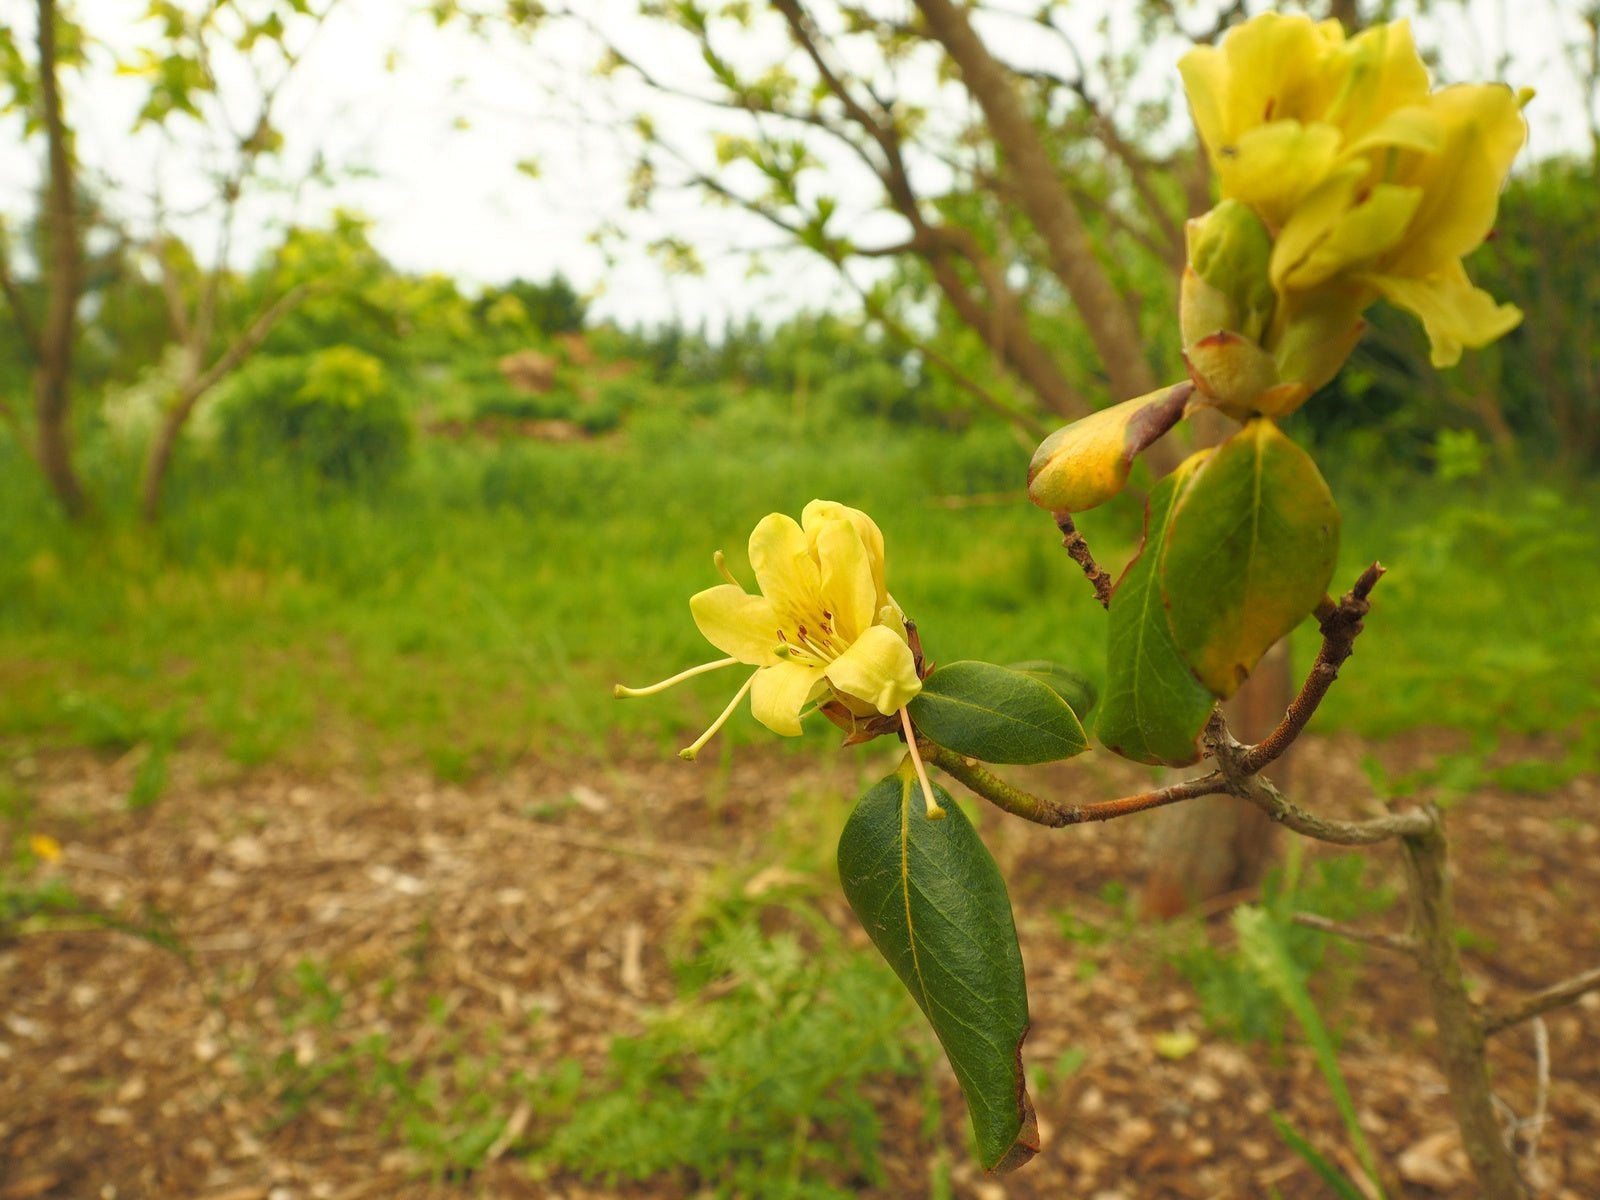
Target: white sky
[(450, 199)]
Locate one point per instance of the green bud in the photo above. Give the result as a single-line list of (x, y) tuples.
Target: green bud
[(1227, 285)]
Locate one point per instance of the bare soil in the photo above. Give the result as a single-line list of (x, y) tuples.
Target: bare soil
[(559, 888)]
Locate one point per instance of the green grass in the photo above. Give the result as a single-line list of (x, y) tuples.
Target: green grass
[(481, 608)]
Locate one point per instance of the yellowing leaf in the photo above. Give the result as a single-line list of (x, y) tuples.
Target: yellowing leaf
[(1249, 552)]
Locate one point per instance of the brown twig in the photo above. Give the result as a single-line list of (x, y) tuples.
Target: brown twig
[(1042, 811), (1078, 549), (1553, 996), (1386, 941), (1340, 627)]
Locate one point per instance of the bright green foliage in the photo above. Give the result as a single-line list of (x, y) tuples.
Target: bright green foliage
[(334, 414), (933, 901), (763, 1090), (1250, 548), (1153, 708), (997, 714)]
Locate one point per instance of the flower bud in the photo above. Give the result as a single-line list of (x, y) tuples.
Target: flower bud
[(1226, 285)]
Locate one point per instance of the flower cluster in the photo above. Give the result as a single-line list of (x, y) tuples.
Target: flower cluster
[(821, 626), (1345, 178)]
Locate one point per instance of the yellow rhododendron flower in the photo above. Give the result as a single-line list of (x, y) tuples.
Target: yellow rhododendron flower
[(822, 622), (1369, 183)]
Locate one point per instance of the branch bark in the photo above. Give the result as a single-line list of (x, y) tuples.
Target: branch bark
[(1046, 201), (1460, 1035), (1554, 996), (53, 373)]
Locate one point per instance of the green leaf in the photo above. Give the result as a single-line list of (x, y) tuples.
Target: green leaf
[(997, 714), (1086, 463), (1078, 691), (934, 904), (1153, 708), (1251, 546), (1331, 1175)]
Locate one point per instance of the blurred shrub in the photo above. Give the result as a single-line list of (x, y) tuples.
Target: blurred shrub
[(335, 413)]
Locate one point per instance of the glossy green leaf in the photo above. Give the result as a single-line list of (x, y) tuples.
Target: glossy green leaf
[(1078, 691), (1250, 549), (933, 902), (1153, 709), (1086, 463), (997, 714)]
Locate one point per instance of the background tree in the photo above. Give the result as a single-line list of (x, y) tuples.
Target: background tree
[(214, 75)]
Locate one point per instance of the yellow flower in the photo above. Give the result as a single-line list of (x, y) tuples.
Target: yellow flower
[(1368, 182), (45, 847), (822, 621)]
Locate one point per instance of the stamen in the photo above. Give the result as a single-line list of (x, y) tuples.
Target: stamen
[(934, 810), (722, 568), (688, 752), (623, 693)]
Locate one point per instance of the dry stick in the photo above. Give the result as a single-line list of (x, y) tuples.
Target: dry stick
[(1041, 811), (1398, 942), (1099, 578), (1553, 996), (1340, 627)]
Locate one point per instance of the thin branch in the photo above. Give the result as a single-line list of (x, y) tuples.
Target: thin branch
[(1340, 627), (1553, 996), (247, 341), (1042, 811), (1410, 822), (1386, 941), (1078, 549)]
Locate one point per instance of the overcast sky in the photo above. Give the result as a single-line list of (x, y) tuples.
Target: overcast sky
[(441, 118)]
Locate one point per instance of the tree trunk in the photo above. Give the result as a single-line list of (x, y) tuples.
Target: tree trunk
[(53, 376), (1219, 844)]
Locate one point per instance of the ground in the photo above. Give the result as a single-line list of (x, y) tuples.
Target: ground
[(432, 914)]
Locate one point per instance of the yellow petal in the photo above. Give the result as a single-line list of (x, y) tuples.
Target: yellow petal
[(1355, 237), (1382, 72), (1454, 313), (1416, 127), (878, 668), (781, 691), (1483, 130), (786, 573), (1205, 79), (847, 588), (1272, 166), (737, 623), (819, 512), (45, 847)]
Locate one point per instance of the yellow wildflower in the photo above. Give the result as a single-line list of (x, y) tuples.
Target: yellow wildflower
[(1367, 182), (822, 621)]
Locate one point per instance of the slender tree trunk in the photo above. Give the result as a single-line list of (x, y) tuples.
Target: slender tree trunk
[(53, 375)]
